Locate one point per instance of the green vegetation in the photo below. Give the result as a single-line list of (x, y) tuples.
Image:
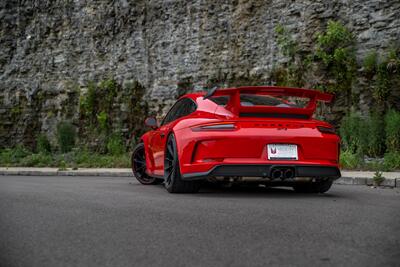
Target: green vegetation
[(349, 160), (335, 48), (392, 129), (370, 63), (43, 144), (102, 121), (66, 136), (115, 145), (293, 72), (378, 178), (20, 156), (391, 161), (97, 131), (372, 137), (333, 55)]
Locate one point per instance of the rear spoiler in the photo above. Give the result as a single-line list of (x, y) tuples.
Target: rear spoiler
[(235, 107)]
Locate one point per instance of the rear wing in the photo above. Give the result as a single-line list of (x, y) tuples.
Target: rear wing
[(234, 103)]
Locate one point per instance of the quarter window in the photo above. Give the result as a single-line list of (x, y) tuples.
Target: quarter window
[(182, 108)]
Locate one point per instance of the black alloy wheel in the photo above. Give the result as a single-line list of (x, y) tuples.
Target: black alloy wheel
[(138, 162), (172, 176)]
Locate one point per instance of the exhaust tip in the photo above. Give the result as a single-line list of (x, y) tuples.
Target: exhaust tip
[(289, 174), (276, 174)]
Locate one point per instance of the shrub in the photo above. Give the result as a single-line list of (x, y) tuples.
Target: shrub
[(43, 144), (102, 121), (11, 156), (37, 160), (364, 136), (335, 48), (115, 145), (370, 63), (392, 161), (374, 134), (392, 129), (349, 160), (352, 134), (66, 136), (378, 178)]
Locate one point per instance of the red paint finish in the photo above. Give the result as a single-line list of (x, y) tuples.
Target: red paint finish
[(220, 134)]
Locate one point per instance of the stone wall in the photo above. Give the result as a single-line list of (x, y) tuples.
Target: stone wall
[(51, 49)]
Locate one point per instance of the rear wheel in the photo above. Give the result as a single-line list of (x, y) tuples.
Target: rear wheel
[(138, 163), (315, 187), (172, 176)]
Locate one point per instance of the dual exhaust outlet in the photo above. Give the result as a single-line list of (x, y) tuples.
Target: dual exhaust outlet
[(282, 173)]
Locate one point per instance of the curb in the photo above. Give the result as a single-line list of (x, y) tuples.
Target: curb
[(393, 181), (66, 173), (388, 182)]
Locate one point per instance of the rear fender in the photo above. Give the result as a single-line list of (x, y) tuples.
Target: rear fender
[(149, 155)]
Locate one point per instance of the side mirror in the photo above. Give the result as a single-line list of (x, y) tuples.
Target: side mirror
[(151, 122)]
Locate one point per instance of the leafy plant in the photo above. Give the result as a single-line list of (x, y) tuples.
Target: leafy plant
[(352, 133), (66, 136), (374, 135), (37, 160), (378, 178), (392, 129), (62, 166), (285, 41), (392, 161), (335, 48), (10, 156), (349, 160), (43, 144), (370, 63), (102, 121), (115, 145), (291, 73), (87, 102)]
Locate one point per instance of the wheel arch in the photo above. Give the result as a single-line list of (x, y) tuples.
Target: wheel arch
[(178, 144)]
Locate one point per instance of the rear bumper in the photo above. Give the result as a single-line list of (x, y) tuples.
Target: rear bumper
[(264, 170)]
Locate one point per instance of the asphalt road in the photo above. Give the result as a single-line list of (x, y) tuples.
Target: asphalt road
[(100, 221)]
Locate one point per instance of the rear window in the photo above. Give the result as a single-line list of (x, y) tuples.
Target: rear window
[(264, 100)]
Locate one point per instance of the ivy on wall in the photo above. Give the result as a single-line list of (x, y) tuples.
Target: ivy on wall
[(333, 57), (102, 117)]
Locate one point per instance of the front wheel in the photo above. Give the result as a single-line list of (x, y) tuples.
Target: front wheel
[(138, 163), (172, 176), (315, 187)]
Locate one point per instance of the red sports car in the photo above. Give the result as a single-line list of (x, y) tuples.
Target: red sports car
[(261, 135)]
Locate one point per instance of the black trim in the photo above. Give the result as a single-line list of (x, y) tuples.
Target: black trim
[(273, 115), (180, 100), (264, 170)]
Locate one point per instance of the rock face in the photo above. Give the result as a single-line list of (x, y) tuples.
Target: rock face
[(51, 49)]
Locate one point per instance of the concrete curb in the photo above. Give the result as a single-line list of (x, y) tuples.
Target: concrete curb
[(68, 172), (388, 182), (392, 179)]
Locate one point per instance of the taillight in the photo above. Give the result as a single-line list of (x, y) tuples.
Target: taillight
[(215, 127), (327, 130)]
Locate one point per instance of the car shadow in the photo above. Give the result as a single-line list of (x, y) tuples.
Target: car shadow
[(243, 191), (256, 192)]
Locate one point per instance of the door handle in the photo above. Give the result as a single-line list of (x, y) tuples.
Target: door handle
[(162, 135)]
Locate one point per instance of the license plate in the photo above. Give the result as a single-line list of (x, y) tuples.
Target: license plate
[(282, 152)]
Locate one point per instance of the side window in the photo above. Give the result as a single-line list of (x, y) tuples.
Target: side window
[(182, 108)]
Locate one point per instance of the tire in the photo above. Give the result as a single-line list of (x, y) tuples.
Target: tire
[(138, 165), (313, 188), (172, 176)]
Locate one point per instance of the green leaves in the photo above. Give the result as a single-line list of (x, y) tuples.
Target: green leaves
[(66, 136), (392, 128)]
